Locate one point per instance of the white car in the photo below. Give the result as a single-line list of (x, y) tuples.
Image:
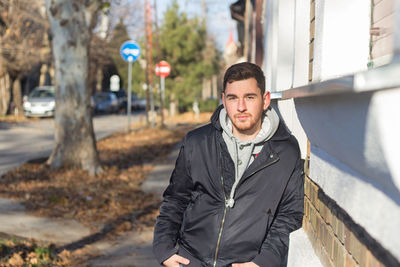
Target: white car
[(40, 102)]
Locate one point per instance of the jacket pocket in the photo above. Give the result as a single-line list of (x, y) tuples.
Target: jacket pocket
[(194, 262), (187, 215), (193, 201), (195, 197)]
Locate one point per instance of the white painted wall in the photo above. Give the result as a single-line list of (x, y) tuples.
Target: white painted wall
[(370, 207), (284, 78), (288, 112), (298, 68), (301, 41), (279, 56), (355, 144), (385, 107), (341, 37), (354, 157), (270, 44), (286, 60), (353, 136), (301, 252)]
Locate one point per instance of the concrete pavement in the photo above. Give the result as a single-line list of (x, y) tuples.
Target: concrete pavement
[(34, 139), (131, 249), (134, 249), (16, 221)]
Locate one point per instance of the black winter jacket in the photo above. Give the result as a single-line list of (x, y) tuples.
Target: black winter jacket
[(268, 201)]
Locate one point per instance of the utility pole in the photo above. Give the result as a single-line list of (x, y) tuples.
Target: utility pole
[(146, 73), (158, 60), (149, 36)]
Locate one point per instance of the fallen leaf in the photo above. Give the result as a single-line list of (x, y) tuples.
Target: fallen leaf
[(16, 260)]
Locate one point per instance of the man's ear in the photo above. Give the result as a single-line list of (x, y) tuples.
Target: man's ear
[(266, 100), (223, 99)]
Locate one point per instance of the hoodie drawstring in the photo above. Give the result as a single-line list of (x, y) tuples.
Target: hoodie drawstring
[(231, 201)]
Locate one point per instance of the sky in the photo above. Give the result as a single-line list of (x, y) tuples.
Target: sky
[(219, 21)]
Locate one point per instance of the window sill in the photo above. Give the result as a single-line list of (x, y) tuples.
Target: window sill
[(380, 78)]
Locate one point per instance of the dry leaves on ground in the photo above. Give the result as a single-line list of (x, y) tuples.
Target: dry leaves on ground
[(15, 119), (28, 253), (113, 200)]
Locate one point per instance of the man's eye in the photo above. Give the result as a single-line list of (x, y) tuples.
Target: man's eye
[(231, 98), (251, 97)]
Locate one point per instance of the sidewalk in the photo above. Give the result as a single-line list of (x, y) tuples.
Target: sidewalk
[(16, 221), (134, 249), (131, 249)]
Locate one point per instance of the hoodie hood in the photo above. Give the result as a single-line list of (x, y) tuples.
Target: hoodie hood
[(269, 126), (243, 153)]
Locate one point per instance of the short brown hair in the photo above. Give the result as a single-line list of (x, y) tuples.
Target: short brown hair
[(244, 71)]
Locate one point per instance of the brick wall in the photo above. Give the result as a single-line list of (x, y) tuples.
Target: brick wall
[(382, 23), (311, 45), (336, 238)]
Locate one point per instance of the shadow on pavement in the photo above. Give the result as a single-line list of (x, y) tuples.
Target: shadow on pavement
[(108, 228)]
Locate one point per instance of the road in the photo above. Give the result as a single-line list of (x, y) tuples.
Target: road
[(34, 139)]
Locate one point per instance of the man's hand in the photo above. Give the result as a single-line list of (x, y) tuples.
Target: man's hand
[(174, 261), (245, 264)]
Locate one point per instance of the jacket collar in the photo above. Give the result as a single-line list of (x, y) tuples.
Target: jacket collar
[(215, 118)]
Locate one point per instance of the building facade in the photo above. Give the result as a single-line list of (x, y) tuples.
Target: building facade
[(332, 67)]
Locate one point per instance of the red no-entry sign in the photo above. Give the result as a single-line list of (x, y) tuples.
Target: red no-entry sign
[(163, 69)]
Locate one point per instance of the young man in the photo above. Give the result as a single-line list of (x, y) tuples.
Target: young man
[(237, 188)]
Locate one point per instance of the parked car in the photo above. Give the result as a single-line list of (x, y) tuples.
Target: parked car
[(40, 102), (122, 99), (105, 102), (92, 105), (138, 103)]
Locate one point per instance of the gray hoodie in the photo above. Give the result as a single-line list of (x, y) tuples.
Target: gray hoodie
[(243, 153)]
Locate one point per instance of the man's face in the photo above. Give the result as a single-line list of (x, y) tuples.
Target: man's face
[(245, 105)]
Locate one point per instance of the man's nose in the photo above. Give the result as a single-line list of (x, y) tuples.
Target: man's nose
[(241, 105)]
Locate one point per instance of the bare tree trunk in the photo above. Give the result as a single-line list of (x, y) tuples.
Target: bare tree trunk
[(43, 72), (17, 96), (74, 136), (4, 92), (92, 78)]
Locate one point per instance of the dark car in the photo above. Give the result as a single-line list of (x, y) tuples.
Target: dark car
[(122, 99), (138, 103), (105, 102)]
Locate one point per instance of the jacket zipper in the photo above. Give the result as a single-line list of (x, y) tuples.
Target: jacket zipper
[(222, 224), (225, 207), (225, 210), (259, 169)]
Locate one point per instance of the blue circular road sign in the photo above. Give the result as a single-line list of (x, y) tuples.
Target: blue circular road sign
[(130, 51)]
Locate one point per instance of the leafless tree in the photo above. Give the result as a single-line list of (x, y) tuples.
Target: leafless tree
[(23, 44), (72, 23)]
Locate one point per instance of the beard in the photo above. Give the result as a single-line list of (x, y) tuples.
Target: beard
[(245, 122)]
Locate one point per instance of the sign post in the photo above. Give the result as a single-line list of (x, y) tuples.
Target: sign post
[(162, 70), (130, 52)]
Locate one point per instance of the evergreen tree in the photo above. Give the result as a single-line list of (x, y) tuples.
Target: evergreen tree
[(184, 44)]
